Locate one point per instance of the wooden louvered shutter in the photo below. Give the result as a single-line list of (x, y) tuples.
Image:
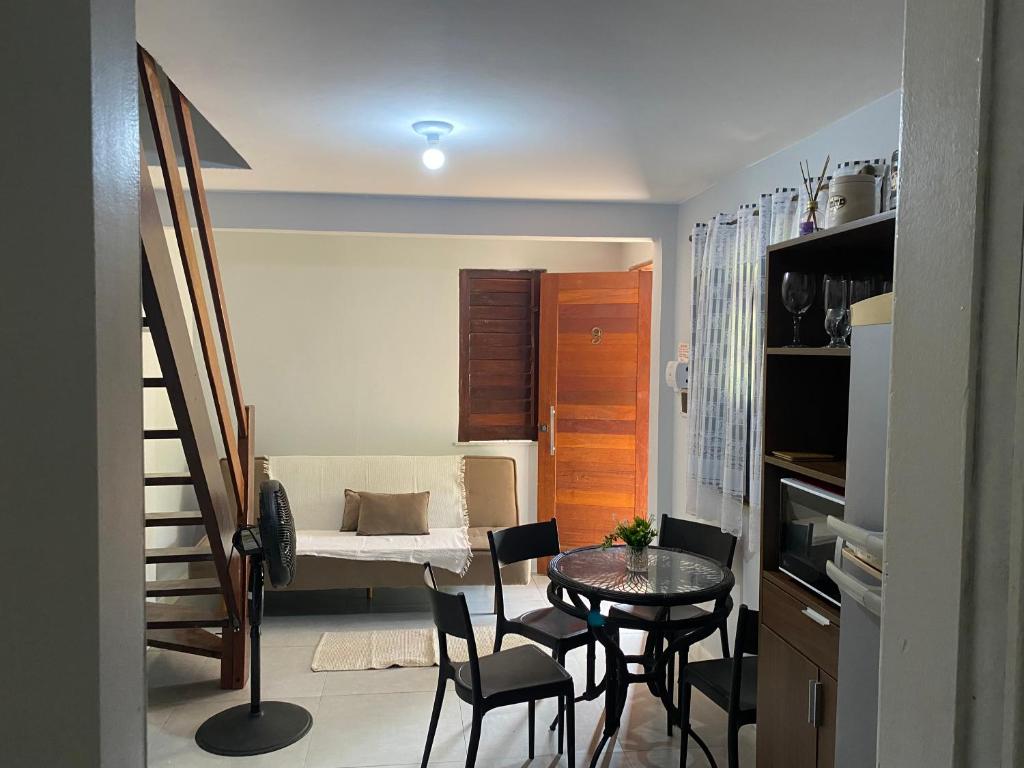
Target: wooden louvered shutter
[(498, 330)]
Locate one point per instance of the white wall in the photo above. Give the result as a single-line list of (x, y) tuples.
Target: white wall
[(498, 218), (872, 131), (349, 344)]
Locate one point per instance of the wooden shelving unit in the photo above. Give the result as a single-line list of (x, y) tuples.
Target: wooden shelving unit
[(806, 408), (809, 351), (830, 472)]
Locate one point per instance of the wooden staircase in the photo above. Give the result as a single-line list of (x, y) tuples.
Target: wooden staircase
[(208, 615)]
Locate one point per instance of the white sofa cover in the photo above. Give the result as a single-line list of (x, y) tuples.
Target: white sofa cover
[(316, 491)]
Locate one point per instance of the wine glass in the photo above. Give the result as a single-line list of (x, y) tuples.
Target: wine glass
[(862, 288), (797, 297), (837, 310)]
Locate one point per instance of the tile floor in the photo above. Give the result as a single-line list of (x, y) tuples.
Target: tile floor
[(379, 718)]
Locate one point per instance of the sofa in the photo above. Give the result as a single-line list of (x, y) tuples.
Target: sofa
[(492, 504)]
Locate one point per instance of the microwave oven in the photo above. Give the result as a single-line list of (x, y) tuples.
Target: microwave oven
[(806, 542)]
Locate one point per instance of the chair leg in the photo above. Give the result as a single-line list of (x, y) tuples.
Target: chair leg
[(670, 674), (532, 717), (561, 705), (723, 632), (734, 744), (591, 662), (561, 728), (499, 635), (570, 724), (474, 739), (684, 720), (435, 715), (558, 655)]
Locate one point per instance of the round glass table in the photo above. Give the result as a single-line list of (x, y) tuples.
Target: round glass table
[(584, 579)]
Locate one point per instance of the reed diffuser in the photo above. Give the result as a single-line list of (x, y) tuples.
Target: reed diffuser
[(813, 188)]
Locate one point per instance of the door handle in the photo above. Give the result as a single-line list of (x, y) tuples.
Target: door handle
[(813, 703), (551, 431), (816, 617)]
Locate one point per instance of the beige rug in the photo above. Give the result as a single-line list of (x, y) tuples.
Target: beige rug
[(382, 648)]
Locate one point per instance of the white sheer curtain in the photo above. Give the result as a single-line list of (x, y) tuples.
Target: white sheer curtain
[(726, 377), (710, 488)]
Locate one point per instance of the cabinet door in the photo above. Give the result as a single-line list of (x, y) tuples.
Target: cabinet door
[(827, 727), (785, 736)]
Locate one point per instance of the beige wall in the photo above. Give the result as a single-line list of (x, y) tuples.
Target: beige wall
[(348, 344)]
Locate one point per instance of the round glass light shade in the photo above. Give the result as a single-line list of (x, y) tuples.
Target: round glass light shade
[(433, 158)]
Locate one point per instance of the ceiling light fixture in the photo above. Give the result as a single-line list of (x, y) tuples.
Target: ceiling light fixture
[(432, 131)]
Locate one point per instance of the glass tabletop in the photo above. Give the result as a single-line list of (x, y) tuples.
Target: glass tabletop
[(672, 577)]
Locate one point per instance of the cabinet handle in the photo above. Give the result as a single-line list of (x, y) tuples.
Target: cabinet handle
[(551, 431), (817, 618), (813, 703)]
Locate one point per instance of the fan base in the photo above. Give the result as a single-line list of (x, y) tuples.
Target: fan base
[(236, 732)]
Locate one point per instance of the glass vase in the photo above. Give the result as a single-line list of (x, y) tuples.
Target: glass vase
[(636, 559)]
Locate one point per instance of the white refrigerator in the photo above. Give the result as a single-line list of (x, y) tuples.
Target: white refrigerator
[(856, 569)]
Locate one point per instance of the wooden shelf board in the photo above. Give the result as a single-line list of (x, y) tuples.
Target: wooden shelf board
[(853, 229), (810, 351), (831, 472)]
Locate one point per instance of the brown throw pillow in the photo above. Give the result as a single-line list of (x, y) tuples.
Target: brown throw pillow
[(381, 514), (350, 517)]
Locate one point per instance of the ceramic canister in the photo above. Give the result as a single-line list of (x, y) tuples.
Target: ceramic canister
[(850, 198)]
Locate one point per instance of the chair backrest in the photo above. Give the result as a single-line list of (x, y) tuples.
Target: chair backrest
[(524, 542), (746, 632), (699, 538), (514, 545), (451, 617), (746, 643)]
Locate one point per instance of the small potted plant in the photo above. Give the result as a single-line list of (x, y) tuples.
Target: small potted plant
[(637, 535)]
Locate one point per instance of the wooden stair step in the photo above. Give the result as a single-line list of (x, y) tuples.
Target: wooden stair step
[(179, 554), (198, 641), (154, 382), (182, 587), (183, 616), (159, 519), (161, 434), (167, 478)]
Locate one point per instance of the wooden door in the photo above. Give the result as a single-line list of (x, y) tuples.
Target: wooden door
[(594, 404), (785, 737)]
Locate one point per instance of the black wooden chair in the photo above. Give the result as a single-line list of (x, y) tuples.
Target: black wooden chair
[(730, 683), (547, 626), (518, 675), (700, 539)]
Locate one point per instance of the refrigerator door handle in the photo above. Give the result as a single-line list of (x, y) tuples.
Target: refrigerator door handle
[(869, 598), (871, 541)]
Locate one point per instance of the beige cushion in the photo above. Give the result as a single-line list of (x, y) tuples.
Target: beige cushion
[(491, 492), (381, 514), (350, 517), (478, 538)]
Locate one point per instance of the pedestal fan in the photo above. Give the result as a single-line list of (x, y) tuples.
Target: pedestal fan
[(260, 726)]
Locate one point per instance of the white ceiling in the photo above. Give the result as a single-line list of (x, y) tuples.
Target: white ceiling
[(551, 99)]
